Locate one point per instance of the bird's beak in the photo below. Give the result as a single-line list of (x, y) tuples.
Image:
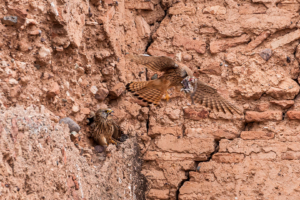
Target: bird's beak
[(109, 111)]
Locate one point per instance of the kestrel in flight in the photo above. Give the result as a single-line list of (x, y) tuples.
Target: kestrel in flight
[(174, 75)]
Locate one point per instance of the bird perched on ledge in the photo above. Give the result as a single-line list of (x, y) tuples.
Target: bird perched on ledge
[(105, 129), (174, 75)]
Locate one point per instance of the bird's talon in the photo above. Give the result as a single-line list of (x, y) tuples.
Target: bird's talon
[(167, 97), (112, 141)]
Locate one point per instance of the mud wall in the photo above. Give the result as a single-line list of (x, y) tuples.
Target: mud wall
[(69, 56)]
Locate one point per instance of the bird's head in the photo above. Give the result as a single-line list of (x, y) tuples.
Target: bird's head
[(104, 113)]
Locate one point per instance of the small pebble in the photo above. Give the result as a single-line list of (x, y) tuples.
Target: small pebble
[(266, 54), (94, 89), (37, 66), (123, 138), (75, 108), (10, 20), (154, 77), (99, 149), (73, 126)]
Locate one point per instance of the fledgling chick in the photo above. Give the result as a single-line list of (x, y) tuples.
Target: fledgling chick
[(105, 129)]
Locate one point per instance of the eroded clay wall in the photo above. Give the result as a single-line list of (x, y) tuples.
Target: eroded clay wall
[(69, 56)]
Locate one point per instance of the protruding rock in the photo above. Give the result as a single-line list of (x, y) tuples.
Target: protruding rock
[(75, 108), (94, 89), (187, 57), (117, 90), (190, 113), (85, 111), (252, 116), (44, 56), (53, 90), (73, 126), (213, 68), (143, 28), (195, 146), (101, 94), (257, 135), (158, 194), (215, 10), (35, 32), (294, 114), (290, 155), (257, 41), (25, 80), (157, 130), (173, 114), (297, 55), (10, 20), (30, 22), (287, 89), (102, 54), (99, 149), (44, 52), (221, 45), (284, 104), (146, 5), (216, 133), (266, 54), (288, 38), (182, 8), (74, 137), (151, 17), (108, 71), (248, 9), (23, 46), (13, 81)]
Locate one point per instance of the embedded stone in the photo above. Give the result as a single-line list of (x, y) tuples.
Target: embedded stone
[(10, 20)]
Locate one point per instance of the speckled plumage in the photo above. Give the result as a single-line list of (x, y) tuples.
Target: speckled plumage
[(152, 91), (105, 128)]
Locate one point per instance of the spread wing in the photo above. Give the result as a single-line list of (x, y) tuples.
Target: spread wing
[(209, 97), (155, 63)]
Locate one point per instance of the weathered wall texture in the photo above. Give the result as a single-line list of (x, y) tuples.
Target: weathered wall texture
[(69, 56), (39, 161)]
